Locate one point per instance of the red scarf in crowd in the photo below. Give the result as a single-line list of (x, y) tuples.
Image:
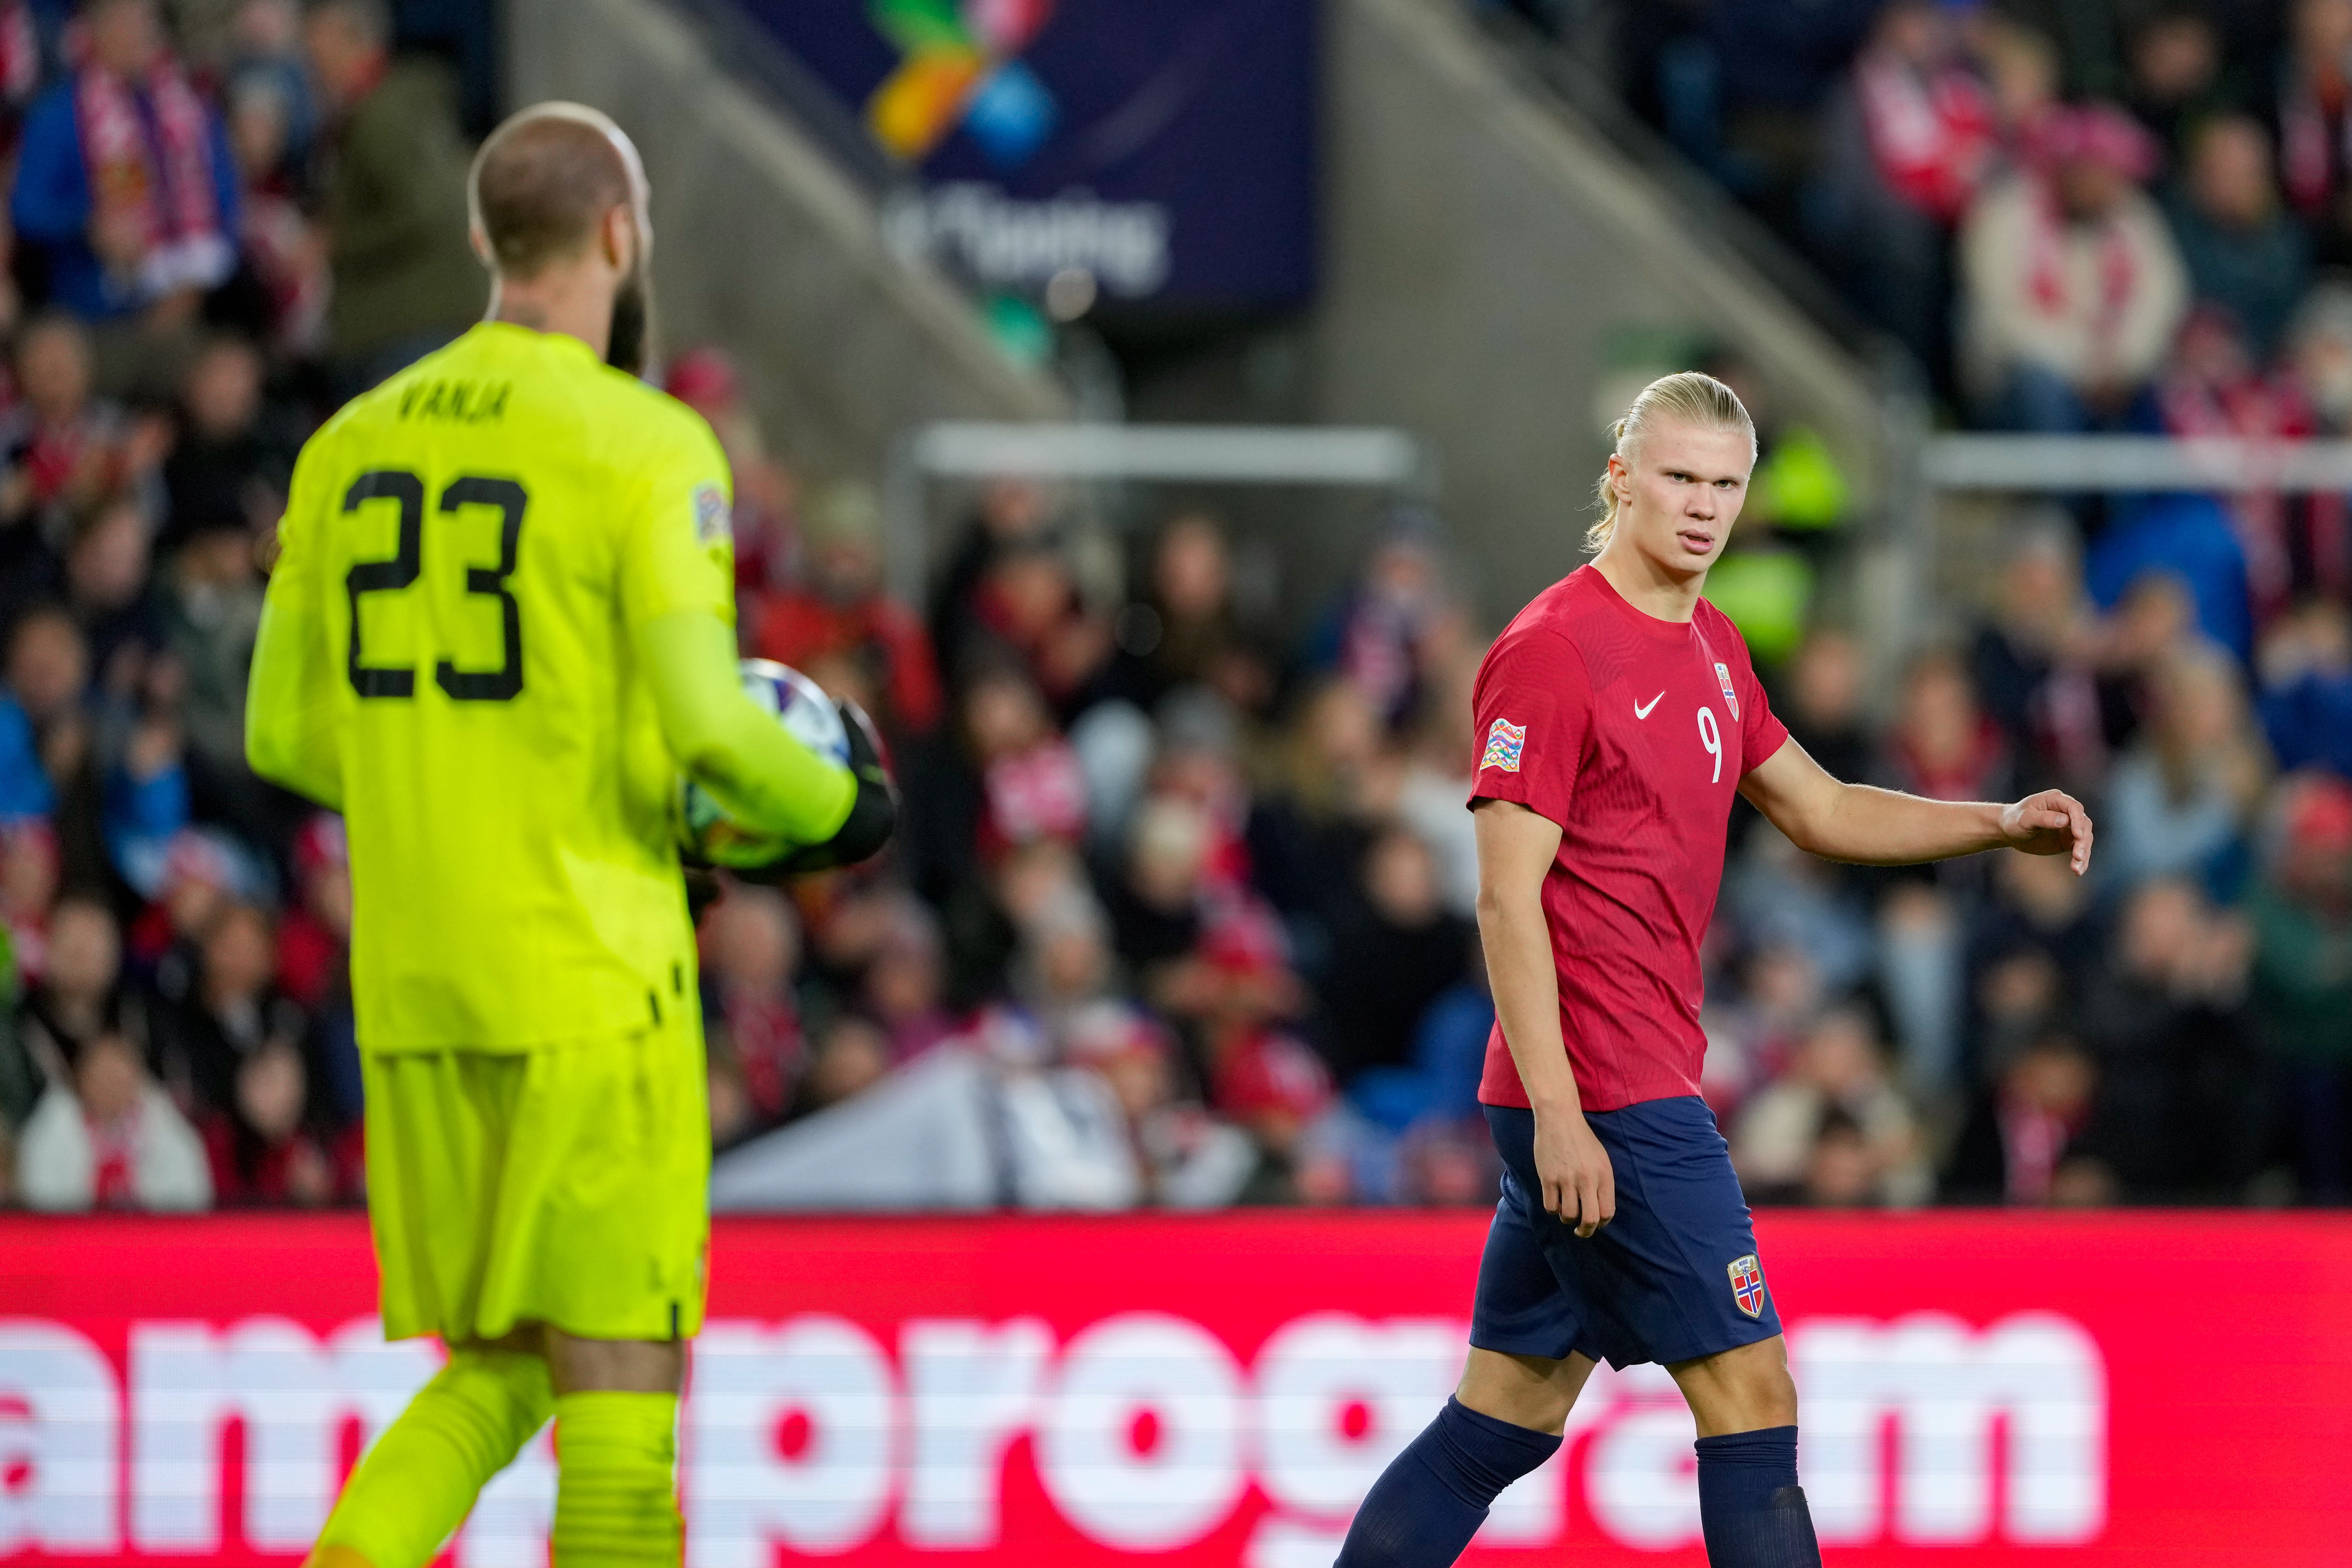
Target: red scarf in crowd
[(2272, 529), (2046, 279), (1931, 136), (167, 181)]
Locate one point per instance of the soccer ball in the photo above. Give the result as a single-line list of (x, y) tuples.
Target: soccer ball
[(705, 830)]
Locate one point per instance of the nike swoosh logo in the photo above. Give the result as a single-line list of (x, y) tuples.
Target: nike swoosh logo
[(1642, 709)]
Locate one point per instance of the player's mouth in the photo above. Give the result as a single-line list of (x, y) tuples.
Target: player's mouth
[(1698, 540)]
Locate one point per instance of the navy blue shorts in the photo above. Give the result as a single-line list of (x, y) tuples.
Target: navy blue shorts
[(1674, 1275)]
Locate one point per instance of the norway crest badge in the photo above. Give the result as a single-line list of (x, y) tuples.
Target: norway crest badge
[(1747, 1280), (1730, 698), (1504, 741)]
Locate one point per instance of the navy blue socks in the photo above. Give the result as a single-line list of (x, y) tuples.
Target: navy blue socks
[(1749, 1503), (1432, 1497)]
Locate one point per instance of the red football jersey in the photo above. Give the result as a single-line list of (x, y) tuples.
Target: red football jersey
[(1632, 733)]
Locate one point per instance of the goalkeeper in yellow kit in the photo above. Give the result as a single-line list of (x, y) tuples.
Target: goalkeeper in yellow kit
[(498, 626)]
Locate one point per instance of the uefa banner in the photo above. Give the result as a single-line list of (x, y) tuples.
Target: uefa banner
[(2117, 1389)]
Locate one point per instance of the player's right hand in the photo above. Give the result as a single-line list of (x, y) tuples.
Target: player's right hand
[(1579, 1184)]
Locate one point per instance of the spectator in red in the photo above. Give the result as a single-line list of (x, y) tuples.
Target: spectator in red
[(2314, 125), (841, 616), (2072, 287), (750, 950), (269, 1150), (28, 888), (202, 875), (126, 184), (2029, 1139), (1027, 600), (1905, 146), (1010, 512), (1031, 787), (2214, 386), (1275, 1089), (110, 1139), (62, 448)]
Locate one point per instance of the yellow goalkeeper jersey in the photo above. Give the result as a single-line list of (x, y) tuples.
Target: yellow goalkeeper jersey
[(465, 552)]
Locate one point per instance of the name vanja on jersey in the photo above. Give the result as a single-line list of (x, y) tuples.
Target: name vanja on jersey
[(475, 542)]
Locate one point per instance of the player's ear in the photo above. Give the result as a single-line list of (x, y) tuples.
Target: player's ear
[(620, 237), (480, 241)]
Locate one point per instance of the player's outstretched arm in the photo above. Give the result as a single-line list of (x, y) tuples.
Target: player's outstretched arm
[(1516, 849), (765, 779), (1871, 826)]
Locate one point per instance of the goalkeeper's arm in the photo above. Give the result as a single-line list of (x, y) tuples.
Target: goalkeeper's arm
[(759, 774)]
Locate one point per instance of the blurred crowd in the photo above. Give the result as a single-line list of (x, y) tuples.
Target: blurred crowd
[(221, 220), (2078, 217), (1185, 873)]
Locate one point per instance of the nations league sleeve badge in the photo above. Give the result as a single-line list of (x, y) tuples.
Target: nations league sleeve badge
[(1505, 740)]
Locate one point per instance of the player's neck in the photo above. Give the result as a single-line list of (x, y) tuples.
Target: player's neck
[(1648, 585), (561, 299)]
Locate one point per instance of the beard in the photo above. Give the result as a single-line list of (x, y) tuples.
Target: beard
[(631, 337)]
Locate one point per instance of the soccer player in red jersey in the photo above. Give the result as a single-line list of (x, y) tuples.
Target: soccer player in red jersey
[(1616, 715)]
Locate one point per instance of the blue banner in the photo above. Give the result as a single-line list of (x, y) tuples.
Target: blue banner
[(1163, 150)]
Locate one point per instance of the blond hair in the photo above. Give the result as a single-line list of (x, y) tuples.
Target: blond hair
[(1688, 396)]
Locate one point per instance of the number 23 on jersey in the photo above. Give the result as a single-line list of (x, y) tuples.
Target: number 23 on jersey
[(405, 492)]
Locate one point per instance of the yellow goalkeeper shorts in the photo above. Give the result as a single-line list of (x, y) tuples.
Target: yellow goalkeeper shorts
[(568, 1185)]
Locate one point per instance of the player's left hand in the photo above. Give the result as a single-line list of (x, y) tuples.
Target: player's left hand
[(2051, 822), (873, 815)]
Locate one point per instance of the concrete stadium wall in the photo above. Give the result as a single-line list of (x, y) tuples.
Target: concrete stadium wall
[(762, 247), (1485, 256)]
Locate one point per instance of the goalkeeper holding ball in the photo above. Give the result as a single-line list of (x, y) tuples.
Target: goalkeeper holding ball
[(498, 627)]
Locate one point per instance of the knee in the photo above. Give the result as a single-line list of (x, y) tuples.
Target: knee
[(615, 1366)]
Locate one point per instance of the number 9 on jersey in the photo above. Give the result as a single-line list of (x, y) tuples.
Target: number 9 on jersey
[(705, 830)]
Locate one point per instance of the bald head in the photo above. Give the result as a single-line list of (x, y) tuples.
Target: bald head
[(544, 184)]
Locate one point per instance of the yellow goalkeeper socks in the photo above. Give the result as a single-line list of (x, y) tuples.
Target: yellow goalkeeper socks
[(616, 1497), (420, 1479)]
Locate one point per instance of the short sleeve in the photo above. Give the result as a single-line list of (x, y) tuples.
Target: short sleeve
[(677, 533), (1762, 731), (1533, 709)]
